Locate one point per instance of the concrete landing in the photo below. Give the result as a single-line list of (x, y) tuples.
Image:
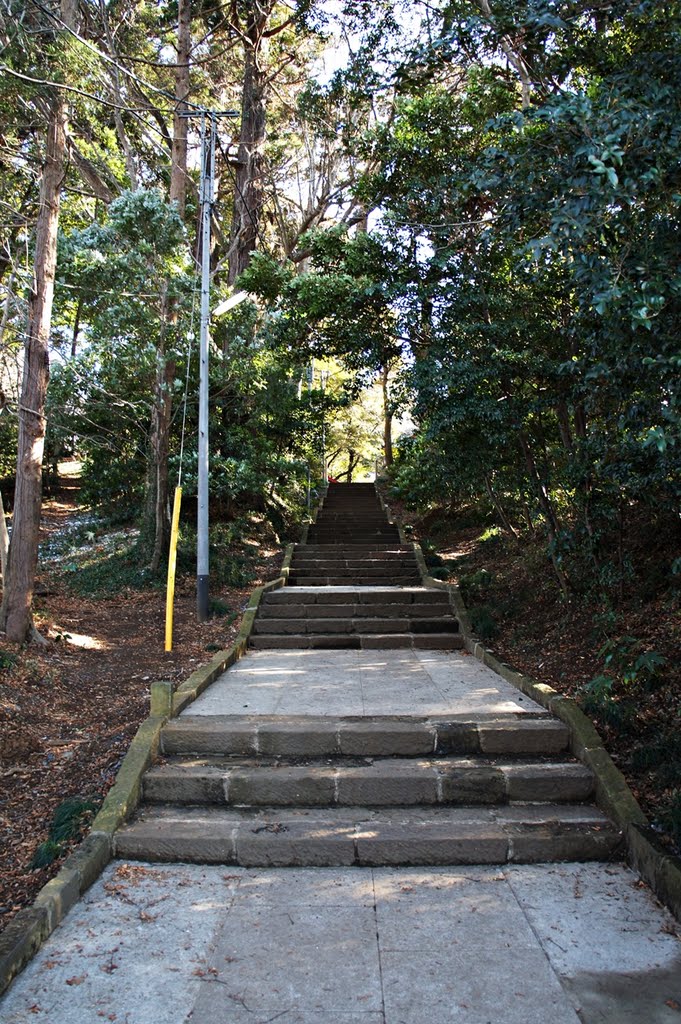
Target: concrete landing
[(536, 944), (348, 683)]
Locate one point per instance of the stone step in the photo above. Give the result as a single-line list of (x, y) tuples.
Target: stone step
[(339, 581), (356, 641), (524, 735), (389, 782), (368, 837), (346, 540), (350, 561), (268, 626), (414, 597), (357, 581), (398, 570), (324, 549), (290, 610)]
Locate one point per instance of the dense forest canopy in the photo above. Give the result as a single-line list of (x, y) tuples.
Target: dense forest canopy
[(471, 205)]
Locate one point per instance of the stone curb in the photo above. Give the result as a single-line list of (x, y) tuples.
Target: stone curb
[(313, 519), (386, 508), (27, 931), (646, 855)]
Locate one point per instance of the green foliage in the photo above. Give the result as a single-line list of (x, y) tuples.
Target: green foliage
[(7, 661), (483, 622), (629, 671), (69, 821), (671, 817), (108, 574)]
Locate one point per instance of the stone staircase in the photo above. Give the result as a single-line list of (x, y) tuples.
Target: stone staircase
[(315, 790), (377, 789), (354, 585)]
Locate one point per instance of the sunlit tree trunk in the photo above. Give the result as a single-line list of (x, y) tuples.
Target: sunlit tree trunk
[(22, 559), (249, 192), (178, 166), (387, 419), (158, 504)]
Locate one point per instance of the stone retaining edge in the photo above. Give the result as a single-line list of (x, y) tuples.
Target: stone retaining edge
[(313, 518), (26, 932), (660, 869)]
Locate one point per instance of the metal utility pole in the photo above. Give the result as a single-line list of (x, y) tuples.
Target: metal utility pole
[(208, 120), (206, 203), (325, 469)]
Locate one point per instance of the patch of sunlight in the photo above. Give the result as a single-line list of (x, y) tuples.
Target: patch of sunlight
[(87, 643), (275, 671), (71, 468)]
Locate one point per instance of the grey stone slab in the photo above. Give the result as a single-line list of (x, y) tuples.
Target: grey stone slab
[(461, 784), (550, 782), (478, 908), (387, 784), (319, 887), (287, 739), (294, 959), (537, 736), (535, 842), (311, 786), (616, 952), (438, 886), (238, 1014), (465, 988), (189, 784), (128, 951), (296, 843), (436, 842), (390, 739), (179, 837)]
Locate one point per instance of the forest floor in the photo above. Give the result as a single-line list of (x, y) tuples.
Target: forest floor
[(618, 658), (68, 711)]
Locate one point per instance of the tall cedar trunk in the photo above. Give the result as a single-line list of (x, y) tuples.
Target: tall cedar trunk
[(178, 166), (249, 192), (387, 419), (158, 505), (4, 541), (22, 559), (163, 407)]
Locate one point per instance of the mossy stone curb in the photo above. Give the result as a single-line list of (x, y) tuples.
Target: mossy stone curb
[(25, 934)]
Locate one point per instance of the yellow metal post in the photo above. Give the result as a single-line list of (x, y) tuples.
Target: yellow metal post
[(172, 563)]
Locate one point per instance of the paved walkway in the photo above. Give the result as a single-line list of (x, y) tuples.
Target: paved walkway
[(360, 683), (540, 944), (535, 944)]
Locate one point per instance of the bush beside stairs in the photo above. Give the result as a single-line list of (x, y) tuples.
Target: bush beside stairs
[(268, 790)]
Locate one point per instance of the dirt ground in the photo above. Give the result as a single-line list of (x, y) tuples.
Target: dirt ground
[(69, 711)]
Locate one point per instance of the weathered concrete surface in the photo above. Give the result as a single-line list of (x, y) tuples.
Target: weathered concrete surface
[(518, 945), (382, 682)]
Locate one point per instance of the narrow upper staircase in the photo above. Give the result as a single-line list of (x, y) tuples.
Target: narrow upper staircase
[(355, 585)]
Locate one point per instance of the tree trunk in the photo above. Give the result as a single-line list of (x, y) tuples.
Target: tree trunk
[(503, 518), (158, 500), (22, 560), (178, 167), (387, 419), (158, 510), (547, 509), (249, 192), (4, 541)]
